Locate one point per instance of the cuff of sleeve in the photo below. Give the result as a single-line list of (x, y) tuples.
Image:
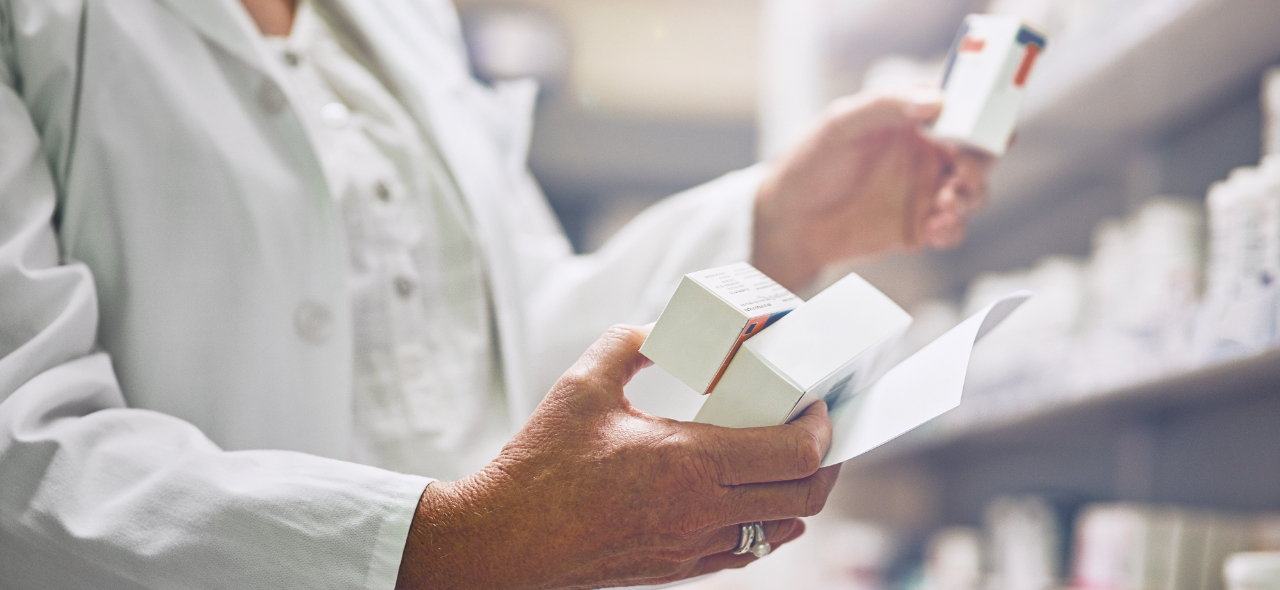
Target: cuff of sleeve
[(402, 494)]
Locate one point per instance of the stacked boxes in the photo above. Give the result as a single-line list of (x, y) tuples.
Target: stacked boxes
[(829, 347)]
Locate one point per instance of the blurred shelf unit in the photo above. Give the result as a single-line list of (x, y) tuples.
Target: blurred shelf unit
[(1146, 65), (1102, 96), (1114, 114), (1156, 66), (989, 422)]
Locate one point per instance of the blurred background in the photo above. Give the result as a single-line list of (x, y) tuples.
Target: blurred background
[(1122, 430)]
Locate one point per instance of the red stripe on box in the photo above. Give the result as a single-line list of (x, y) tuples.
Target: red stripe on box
[(753, 327), (1028, 60), (973, 44)]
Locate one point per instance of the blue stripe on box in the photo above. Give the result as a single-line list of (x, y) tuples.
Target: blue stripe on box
[(775, 316), (1029, 37)]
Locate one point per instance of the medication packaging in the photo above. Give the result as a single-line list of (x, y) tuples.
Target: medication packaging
[(826, 348), (985, 76), (835, 348), (711, 314)]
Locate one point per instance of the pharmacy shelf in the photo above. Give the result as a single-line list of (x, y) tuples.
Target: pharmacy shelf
[(1094, 97), (1100, 113), (1232, 383), (869, 29)]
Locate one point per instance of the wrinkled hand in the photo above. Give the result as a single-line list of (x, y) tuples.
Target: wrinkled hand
[(866, 181), (594, 493)]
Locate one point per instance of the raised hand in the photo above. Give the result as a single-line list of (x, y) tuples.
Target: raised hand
[(866, 181), (594, 493)]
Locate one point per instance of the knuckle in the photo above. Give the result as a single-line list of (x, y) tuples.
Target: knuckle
[(808, 453), (621, 332), (576, 378), (575, 381), (684, 553), (570, 388), (686, 525), (692, 472), (691, 481), (815, 499), (814, 504)]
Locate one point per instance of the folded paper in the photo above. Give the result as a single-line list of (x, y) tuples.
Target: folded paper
[(924, 386)]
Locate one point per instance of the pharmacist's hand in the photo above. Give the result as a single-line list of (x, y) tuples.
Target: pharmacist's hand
[(963, 192), (866, 181), (594, 493)]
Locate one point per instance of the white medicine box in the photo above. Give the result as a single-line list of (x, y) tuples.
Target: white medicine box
[(711, 314), (827, 349), (985, 76)]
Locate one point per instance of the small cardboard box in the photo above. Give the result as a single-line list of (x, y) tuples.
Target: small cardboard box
[(832, 346), (986, 73), (711, 314), (836, 347)]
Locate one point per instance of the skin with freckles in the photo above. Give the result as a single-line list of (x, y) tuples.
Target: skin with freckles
[(595, 493)]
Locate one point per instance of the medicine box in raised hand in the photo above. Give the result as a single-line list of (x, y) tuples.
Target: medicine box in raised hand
[(985, 76), (711, 314), (832, 346)]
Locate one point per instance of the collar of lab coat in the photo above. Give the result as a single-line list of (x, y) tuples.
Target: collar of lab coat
[(225, 22)]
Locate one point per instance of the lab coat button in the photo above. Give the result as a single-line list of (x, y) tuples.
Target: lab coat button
[(271, 98), (383, 193), (292, 59), (404, 287), (313, 322), (335, 115)]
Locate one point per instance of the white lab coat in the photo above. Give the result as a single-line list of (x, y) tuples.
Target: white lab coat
[(175, 357)]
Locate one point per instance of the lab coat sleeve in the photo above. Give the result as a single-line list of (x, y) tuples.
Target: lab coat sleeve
[(631, 277), (97, 495)]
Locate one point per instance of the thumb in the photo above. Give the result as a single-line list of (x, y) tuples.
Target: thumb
[(607, 365)]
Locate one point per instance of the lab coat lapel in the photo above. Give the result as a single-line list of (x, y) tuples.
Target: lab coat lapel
[(224, 22), (428, 75), (227, 24)]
